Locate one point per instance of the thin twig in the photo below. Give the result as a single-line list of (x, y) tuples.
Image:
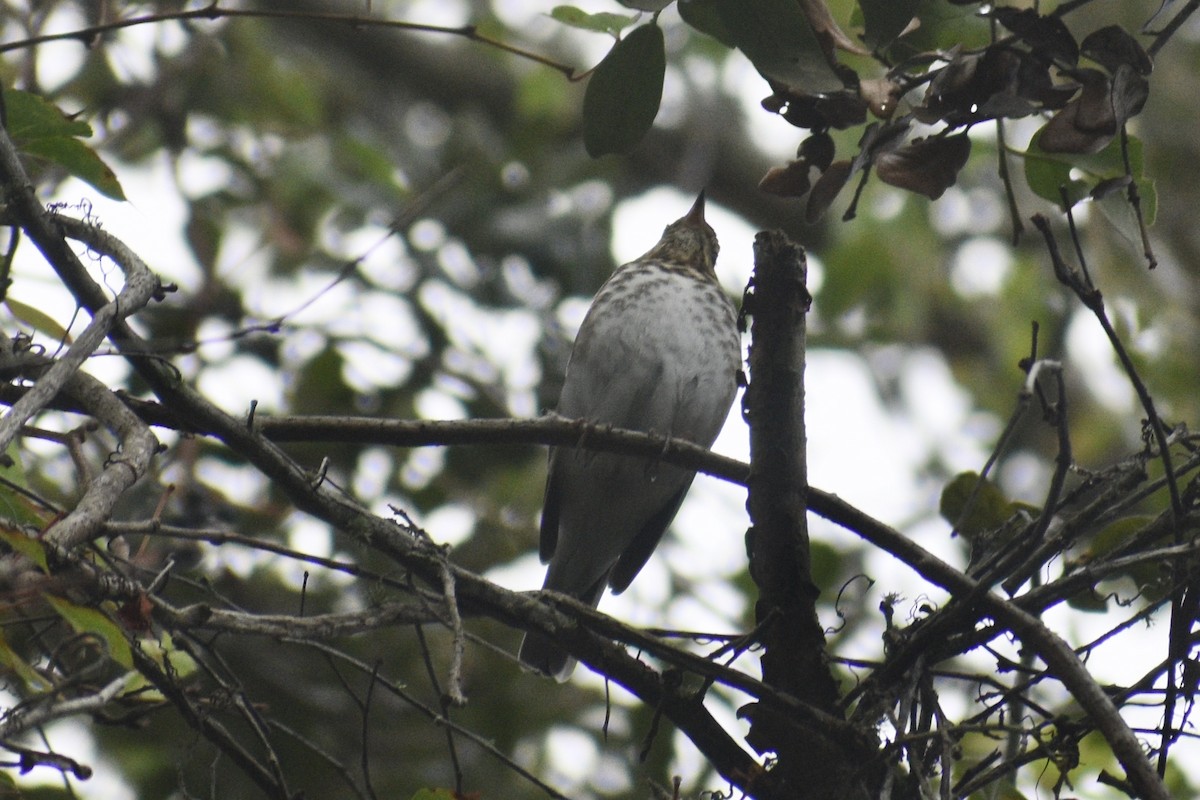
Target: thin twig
[(1172, 27), (214, 12)]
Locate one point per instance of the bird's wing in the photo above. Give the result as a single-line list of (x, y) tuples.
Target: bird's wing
[(614, 381), (548, 540), (635, 555)]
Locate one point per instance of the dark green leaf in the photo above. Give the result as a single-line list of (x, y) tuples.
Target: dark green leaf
[(944, 24), (778, 39), (80, 160), (974, 506), (705, 16), (1045, 34), (1088, 600), (884, 20), (624, 92), (646, 5)]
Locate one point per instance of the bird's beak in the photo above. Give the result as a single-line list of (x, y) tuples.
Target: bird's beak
[(696, 215)]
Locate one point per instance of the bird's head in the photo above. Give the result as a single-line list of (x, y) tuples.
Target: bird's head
[(688, 242)]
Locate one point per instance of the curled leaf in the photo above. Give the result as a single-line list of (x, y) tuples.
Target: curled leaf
[(1113, 46), (1087, 123), (1129, 93), (925, 166)]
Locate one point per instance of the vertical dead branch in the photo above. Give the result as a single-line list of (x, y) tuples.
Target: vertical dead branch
[(793, 642)]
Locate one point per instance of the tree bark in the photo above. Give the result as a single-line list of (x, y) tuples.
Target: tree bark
[(809, 763)]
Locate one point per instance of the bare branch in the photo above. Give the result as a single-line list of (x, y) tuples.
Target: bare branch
[(215, 12)]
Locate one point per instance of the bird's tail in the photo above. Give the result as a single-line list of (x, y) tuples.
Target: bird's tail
[(541, 654)]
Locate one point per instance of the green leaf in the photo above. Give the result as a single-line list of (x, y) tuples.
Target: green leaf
[(1045, 172), (1047, 177), (30, 117), (25, 545), (19, 507), (884, 20), (167, 656), (1115, 534), (600, 23), (37, 319), (624, 92), (944, 24), (434, 794), (705, 16), (777, 38), (41, 129), (20, 667), (90, 620), (1088, 600), (974, 507)]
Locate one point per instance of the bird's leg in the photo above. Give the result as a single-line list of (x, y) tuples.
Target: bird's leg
[(652, 464), (585, 430)]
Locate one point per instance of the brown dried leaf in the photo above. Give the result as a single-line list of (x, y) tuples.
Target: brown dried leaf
[(1062, 134), (787, 181), (925, 166), (1095, 114), (826, 189), (1129, 93)]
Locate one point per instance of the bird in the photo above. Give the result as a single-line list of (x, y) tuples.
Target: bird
[(658, 351)]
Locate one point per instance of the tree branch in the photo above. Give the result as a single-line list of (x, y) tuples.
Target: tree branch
[(214, 12)]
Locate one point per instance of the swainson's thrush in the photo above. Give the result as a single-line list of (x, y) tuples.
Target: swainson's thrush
[(658, 351)]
